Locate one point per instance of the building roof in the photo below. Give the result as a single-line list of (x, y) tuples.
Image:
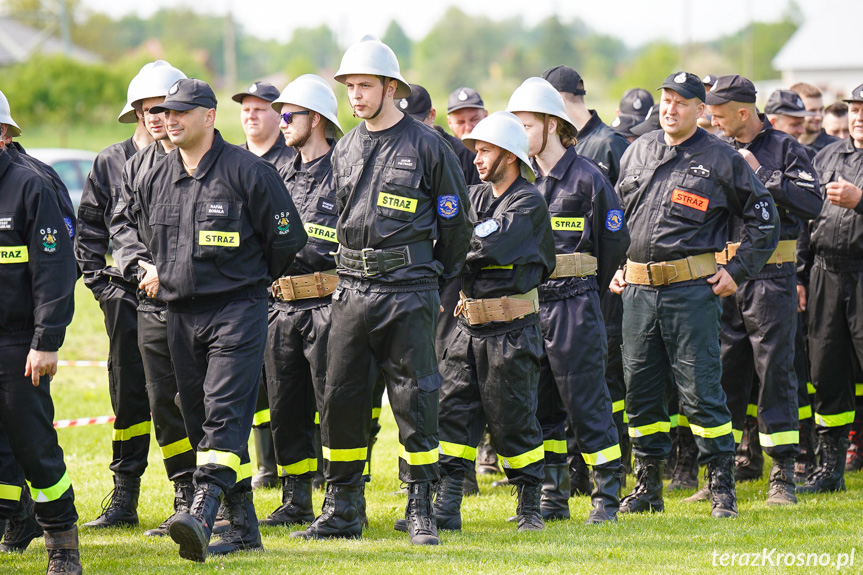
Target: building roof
[(827, 40), (19, 42)]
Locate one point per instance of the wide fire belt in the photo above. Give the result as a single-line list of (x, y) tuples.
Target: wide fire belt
[(308, 286), (577, 265), (373, 262), (665, 273), (506, 308), (786, 252)]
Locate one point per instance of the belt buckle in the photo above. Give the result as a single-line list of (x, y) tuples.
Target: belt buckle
[(365, 255)]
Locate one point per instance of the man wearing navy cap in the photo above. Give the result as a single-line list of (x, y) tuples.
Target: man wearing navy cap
[(634, 105), (680, 188), (786, 112)]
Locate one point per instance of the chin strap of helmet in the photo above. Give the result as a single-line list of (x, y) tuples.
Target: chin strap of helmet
[(386, 82), (544, 133)]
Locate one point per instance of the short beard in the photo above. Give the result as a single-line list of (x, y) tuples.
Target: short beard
[(298, 140)]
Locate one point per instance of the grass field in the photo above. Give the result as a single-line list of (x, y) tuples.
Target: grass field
[(682, 540)]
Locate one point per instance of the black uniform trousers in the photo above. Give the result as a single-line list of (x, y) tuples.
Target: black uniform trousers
[(218, 353), (262, 416), (673, 333), (757, 333), (127, 383), (295, 361), (391, 328), (572, 383), (801, 368), (177, 452), (491, 375), (28, 444), (835, 305)]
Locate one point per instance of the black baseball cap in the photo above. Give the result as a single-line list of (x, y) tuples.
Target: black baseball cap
[(856, 95), (463, 98), (686, 84), (650, 123), (624, 123), (731, 88), (262, 90), (565, 79), (186, 94), (787, 103), (709, 79), (635, 102), (418, 104)]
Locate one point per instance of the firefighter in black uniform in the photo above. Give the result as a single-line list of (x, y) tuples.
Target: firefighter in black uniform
[(299, 320), (223, 225), (117, 298), (130, 234), (403, 232), (759, 321), (590, 240), (679, 188), (491, 362), (834, 298), (37, 270)]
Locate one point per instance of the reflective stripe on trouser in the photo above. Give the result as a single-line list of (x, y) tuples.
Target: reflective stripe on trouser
[(28, 444), (672, 334), (491, 376), (127, 384), (572, 384), (835, 333), (389, 330), (262, 403), (177, 452), (295, 363), (218, 355), (757, 332)]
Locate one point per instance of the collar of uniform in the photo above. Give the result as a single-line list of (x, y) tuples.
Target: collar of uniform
[(518, 183), (560, 168), (5, 161), (592, 124), (204, 165), (318, 171), (395, 130), (765, 127), (848, 147), (129, 148)]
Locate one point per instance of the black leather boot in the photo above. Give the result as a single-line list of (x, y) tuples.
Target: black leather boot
[(296, 507), (21, 528), (419, 515), (605, 495), (192, 530), (685, 473), (243, 535), (184, 491), (265, 455), (361, 506), (647, 493), (554, 503), (528, 512), (749, 462), (120, 507), (447, 505), (829, 475), (781, 490), (723, 495), (579, 476), (63, 555), (806, 461), (339, 515)]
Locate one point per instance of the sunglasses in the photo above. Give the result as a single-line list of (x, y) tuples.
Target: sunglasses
[(288, 117)]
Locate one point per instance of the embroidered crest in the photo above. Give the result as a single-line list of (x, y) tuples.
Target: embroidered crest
[(447, 206), (765, 215), (805, 176), (614, 220), (403, 104), (616, 122), (799, 102), (69, 227), (49, 240), (486, 228), (462, 96), (700, 171), (174, 88), (637, 104), (708, 79), (253, 88), (680, 78), (283, 225)]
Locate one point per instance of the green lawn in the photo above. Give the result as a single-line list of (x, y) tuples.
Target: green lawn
[(682, 540)]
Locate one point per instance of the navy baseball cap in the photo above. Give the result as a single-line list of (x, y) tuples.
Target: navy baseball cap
[(686, 84), (262, 90), (418, 104), (186, 94), (787, 103), (731, 88), (650, 123), (635, 102), (565, 79), (856, 95), (464, 98)]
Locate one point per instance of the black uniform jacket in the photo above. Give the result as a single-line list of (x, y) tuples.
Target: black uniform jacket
[(398, 187), (229, 227), (465, 157), (678, 202), (602, 145), (822, 141), (37, 264), (585, 217), (512, 248), (279, 153), (837, 233), (63, 199)]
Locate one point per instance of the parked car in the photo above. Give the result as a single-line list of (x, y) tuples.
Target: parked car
[(73, 166)]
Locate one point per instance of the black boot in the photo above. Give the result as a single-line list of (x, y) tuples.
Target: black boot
[(296, 507), (486, 458), (671, 461), (120, 507), (470, 486), (222, 524), (419, 515), (685, 474), (21, 528), (447, 505), (723, 496), (184, 491), (854, 455), (192, 530), (243, 534), (63, 556), (339, 515), (830, 473), (749, 462), (806, 462), (781, 491), (647, 493), (528, 512), (579, 476), (361, 507), (554, 503), (265, 454), (605, 495)]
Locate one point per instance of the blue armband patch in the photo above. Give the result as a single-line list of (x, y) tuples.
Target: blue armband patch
[(447, 206), (69, 227), (614, 220), (486, 228)]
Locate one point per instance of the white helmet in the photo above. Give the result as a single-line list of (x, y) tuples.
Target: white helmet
[(371, 56), (312, 92), (153, 81), (538, 95), (504, 130), (6, 117)]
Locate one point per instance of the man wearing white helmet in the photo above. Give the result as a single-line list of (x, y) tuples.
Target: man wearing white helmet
[(129, 231), (295, 359), (590, 238), (403, 233), (117, 298)]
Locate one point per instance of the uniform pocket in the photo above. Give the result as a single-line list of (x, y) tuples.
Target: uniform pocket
[(217, 228), (426, 414), (165, 223), (398, 197)]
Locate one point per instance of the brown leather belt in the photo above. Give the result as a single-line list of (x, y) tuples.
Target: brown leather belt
[(308, 286), (577, 265), (506, 308), (665, 273), (786, 252)]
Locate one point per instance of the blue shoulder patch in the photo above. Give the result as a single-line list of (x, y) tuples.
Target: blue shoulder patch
[(614, 220), (447, 206), (69, 227), (486, 228)]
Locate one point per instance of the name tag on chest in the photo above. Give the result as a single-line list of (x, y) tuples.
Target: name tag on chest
[(689, 200)]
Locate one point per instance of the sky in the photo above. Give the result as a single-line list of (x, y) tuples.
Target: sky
[(634, 21)]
